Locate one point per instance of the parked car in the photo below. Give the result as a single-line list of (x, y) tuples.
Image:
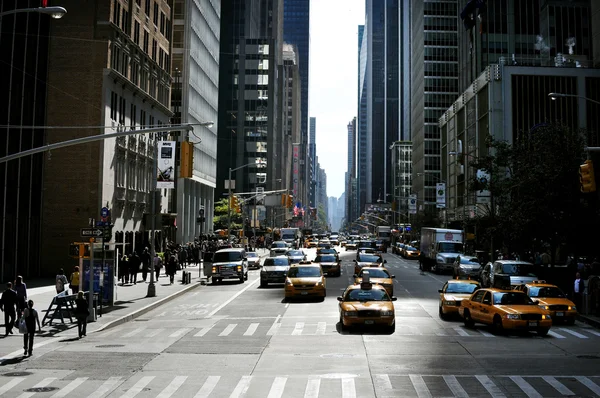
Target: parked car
[(466, 267)]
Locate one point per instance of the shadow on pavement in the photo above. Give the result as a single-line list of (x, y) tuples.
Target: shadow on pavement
[(11, 361)]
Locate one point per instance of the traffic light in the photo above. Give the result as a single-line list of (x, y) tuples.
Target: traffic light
[(233, 202), (586, 177), (238, 206), (186, 169), (283, 199), (79, 249), (289, 202)]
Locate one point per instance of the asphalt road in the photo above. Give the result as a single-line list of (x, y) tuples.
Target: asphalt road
[(234, 340)]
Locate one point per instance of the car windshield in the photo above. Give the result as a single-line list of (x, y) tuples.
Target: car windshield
[(279, 244), (295, 253), (367, 295), (222, 257), (375, 273), (450, 247), (368, 258), (304, 272), (327, 251), (471, 261), (325, 259), (546, 291), (288, 236), (512, 298), (277, 261), (409, 248), (461, 288), (519, 269)]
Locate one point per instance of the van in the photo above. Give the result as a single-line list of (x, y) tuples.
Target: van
[(229, 263)]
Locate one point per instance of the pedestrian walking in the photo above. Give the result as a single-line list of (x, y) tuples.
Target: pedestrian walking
[(145, 258), (61, 281), (578, 288), (8, 304), (124, 270), (75, 281), (82, 312), (171, 268), (134, 267), (31, 318), (157, 265), (21, 289)]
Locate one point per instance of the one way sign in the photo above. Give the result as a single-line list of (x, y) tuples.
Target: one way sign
[(90, 232)]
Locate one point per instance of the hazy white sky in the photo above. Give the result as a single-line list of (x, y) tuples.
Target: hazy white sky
[(333, 82)]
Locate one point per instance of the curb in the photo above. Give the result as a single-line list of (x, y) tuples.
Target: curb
[(135, 314), (590, 321)]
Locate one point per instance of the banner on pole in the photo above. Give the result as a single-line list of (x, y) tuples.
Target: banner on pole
[(165, 177), (440, 194), (412, 204)]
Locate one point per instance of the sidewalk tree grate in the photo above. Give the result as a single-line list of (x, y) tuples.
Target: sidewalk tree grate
[(110, 346), (41, 389), (17, 374)]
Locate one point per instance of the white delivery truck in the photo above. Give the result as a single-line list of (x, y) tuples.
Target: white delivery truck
[(439, 248)]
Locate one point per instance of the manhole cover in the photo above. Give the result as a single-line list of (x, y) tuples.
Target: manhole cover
[(337, 356), (17, 374), (588, 356), (110, 346), (41, 389)]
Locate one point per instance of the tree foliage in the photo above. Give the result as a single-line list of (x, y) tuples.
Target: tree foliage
[(221, 217)]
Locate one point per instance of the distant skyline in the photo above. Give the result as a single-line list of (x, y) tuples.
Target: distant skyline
[(333, 82)]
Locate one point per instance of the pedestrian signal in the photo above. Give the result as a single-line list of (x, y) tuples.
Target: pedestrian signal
[(586, 177)]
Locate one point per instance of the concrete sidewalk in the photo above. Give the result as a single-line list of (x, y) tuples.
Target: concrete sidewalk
[(131, 302)]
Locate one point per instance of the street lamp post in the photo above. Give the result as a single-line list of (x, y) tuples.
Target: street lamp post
[(555, 96), (442, 181), (229, 198), (55, 12)]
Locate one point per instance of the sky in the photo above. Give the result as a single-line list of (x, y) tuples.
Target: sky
[(333, 82)]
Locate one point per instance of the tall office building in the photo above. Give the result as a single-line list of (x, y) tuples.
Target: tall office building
[(351, 195), (362, 151), (195, 100), (434, 79), (312, 154), (595, 16), (249, 108)]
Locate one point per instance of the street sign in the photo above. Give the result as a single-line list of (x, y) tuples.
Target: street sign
[(90, 232), (104, 214)]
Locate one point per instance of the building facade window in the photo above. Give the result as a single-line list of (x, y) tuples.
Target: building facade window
[(114, 99), (133, 115), (116, 13), (146, 40), (154, 48), (147, 8), (162, 23), (142, 118), (122, 104), (136, 32), (155, 16)]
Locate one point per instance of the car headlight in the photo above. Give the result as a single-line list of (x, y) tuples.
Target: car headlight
[(546, 317), (449, 302), (572, 308), (545, 307), (387, 313), (350, 313), (320, 283), (214, 270), (239, 267), (513, 316)]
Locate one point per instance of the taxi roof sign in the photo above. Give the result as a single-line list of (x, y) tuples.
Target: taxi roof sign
[(540, 281), (366, 281)]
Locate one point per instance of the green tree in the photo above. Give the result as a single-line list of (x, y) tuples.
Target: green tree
[(221, 217)]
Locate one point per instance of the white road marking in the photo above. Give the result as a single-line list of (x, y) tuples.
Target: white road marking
[(133, 332), (277, 387), (298, 329), (5, 388), (172, 387), (441, 332), (154, 332), (251, 329), (287, 305), (490, 386), (228, 329), (105, 388), (589, 384), (180, 332), (321, 327), (574, 333), (203, 331), (138, 387), (219, 308), (273, 329), (208, 386), (312, 388), (526, 387), (70, 387), (242, 387), (383, 383), (556, 335), (348, 387), (455, 387), (558, 386), (460, 331), (486, 334), (420, 386), (594, 332), (41, 384)]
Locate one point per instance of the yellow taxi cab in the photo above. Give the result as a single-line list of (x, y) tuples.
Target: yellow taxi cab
[(410, 252), (551, 298), (505, 309), (379, 276), (311, 243), (367, 260), (367, 304), (305, 279), (453, 293)]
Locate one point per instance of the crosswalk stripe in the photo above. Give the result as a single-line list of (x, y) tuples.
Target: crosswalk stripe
[(273, 329), (105, 388), (556, 335), (69, 387), (348, 387), (526, 387), (155, 332), (383, 382), (228, 329), (455, 387), (420, 386), (441, 332), (298, 329), (490, 386), (208, 386), (558, 386), (133, 332), (10, 384), (172, 387), (203, 331), (486, 334), (242, 387), (277, 387), (312, 388), (574, 333), (594, 332), (138, 387), (180, 332), (589, 384), (251, 329), (460, 331), (41, 384), (321, 327)]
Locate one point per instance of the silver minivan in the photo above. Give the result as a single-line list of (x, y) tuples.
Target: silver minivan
[(227, 264)]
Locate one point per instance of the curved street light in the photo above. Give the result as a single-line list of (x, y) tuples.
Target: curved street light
[(55, 12), (555, 96)]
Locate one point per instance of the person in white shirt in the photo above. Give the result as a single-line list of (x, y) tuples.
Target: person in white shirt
[(578, 288)]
